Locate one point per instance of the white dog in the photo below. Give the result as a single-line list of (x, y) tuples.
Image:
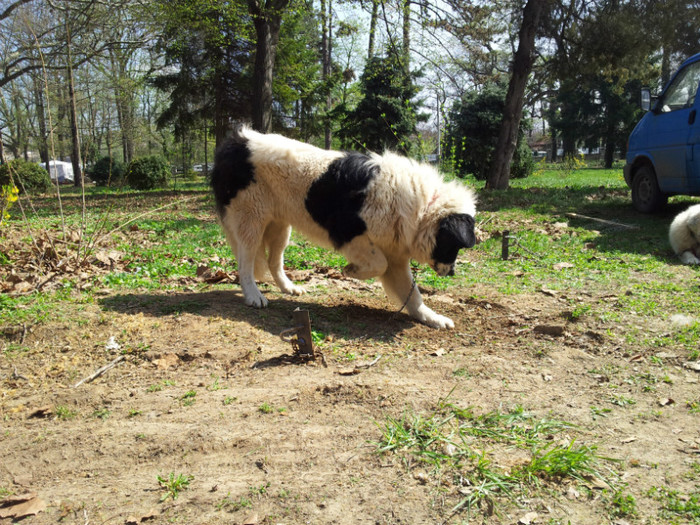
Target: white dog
[(378, 211), (684, 235)]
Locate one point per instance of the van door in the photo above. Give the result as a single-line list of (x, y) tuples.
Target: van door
[(674, 133)]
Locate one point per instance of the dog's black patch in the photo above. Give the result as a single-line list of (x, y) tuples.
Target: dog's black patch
[(335, 199), (455, 232), (232, 171)]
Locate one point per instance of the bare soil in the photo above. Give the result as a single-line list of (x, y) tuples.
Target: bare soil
[(208, 389)]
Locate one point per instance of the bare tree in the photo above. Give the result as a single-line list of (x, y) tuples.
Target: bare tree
[(267, 18), (499, 172)]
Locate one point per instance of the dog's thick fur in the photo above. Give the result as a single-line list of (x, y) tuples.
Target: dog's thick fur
[(378, 211), (684, 235)]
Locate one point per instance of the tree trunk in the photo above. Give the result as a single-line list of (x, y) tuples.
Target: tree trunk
[(326, 30), (41, 118), (372, 28), (267, 20), (406, 40), (2, 150), (499, 172), (73, 114)]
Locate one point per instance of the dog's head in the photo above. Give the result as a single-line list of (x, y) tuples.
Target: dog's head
[(454, 232)]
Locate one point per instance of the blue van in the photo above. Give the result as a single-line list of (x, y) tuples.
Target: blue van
[(663, 154)]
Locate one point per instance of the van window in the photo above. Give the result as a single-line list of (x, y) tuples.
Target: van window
[(681, 92)]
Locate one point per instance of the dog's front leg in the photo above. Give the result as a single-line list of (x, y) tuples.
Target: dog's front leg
[(689, 257), (365, 259), (400, 287)]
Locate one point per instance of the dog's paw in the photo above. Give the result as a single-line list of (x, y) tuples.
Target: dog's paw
[(350, 271), (256, 300), (438, 321), (293, 289), (689, 257)]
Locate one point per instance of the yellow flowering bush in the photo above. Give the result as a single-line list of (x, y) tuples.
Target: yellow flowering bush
[(8, 196)]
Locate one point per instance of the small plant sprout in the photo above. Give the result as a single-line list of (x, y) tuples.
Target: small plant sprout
[(266, 408), (189, 398), (173, 485)]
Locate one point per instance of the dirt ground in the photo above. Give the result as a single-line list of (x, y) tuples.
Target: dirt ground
[(207, 389)]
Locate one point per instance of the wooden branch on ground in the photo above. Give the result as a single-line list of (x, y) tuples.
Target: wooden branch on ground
[(101, 371), (603, 221)]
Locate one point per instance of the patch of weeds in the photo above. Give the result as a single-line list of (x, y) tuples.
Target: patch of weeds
[(173, 485), (597, 412), (134, 412), (4, 493), (215, 385), (578, 312), (228, 400), (188, 398), (443, 440), (556, 462), (675, 505), (694, 473), (622, 401), (102, 413), (65, 413), (461, 372), (693, 407), (231, 505), (622, 505), (159, 386), (266, 408), (260, 490)]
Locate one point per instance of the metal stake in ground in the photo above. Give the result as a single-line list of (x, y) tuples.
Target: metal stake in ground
[(504, 245), (302, 343)]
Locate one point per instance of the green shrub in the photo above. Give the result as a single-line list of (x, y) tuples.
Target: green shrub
[(146, 173), (27, 176), (108, 171)]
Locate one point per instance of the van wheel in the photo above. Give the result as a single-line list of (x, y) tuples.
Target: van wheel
[(646, 195)]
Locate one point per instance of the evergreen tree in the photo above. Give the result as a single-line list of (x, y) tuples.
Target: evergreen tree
[(386, 116)]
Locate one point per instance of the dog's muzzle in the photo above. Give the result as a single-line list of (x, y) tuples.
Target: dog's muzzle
[(444, 270)]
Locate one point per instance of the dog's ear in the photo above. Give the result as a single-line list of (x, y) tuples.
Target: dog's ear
[(454, 232), (460, 226)]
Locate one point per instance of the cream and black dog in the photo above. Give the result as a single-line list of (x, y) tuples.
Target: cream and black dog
[(684, 235), (377, 211)]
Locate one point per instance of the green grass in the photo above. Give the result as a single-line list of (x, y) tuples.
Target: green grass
[(468, 449), (173, 485)]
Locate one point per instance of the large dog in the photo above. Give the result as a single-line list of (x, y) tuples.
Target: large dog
[(684, 235), (378, 211)]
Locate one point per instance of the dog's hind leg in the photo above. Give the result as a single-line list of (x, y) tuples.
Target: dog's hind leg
[(364, 258), (400, 287), (262, 271), (276, 239)]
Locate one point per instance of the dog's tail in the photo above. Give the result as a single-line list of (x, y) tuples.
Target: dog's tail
[(233, 170)]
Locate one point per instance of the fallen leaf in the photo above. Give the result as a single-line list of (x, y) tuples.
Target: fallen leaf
[(666, 401), (166, 361), (45, 411), (18, 507), (549, 329), (563, 265), (628, 440), (253, 519), (438, 353), (528, 519)]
